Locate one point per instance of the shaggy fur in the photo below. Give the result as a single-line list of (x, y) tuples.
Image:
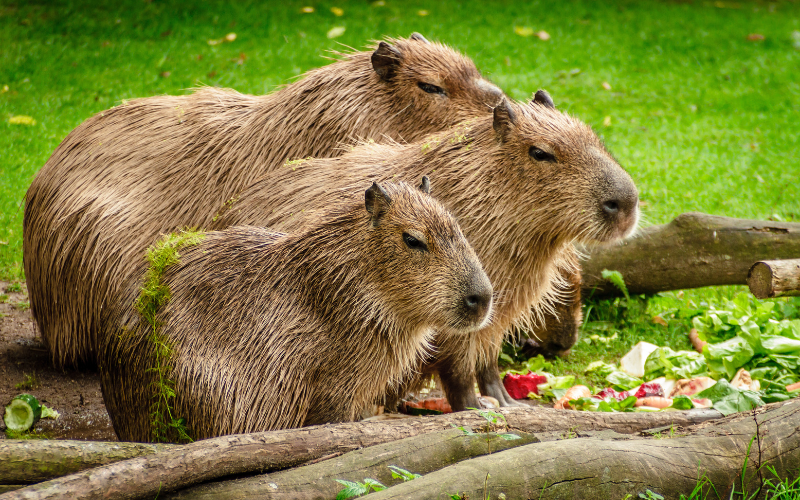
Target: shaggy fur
[(521, 215), (153, 165), (273, 331)]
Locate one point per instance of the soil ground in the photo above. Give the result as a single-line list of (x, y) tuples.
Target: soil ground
[(23, 358)]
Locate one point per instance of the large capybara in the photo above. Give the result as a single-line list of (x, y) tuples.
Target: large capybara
[(269, 331), (154, 165), (524, 184)]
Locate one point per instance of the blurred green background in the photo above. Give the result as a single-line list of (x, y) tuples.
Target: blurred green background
[(699, 100)]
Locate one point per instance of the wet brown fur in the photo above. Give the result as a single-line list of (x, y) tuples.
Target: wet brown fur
[(153, 165), (520, 215), (272, 331)]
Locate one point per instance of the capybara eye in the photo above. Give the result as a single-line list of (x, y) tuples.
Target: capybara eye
[(430, 88), (414, 243), (539, 155)]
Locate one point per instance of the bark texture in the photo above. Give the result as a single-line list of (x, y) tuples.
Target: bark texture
[(694, 250), (419, 454), (32, 461), (774, 278), (602, 468), (225, 456)]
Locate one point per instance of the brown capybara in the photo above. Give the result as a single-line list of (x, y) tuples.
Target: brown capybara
[(524, 184), (269, 331), (154, 165)]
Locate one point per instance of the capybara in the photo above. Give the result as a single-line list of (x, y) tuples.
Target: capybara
[(150, 166), (524, 184), (269, 331)]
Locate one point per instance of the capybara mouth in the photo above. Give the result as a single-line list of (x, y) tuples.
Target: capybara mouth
[(618, 226)]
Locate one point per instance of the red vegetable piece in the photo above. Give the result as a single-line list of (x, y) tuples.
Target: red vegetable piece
[(650, 389), (608, 392), (518, 386)]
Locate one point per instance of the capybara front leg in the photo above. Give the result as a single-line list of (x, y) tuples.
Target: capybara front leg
[(460, 389), (490, 385)]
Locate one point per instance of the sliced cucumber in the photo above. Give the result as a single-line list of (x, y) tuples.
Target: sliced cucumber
[(23, 411)]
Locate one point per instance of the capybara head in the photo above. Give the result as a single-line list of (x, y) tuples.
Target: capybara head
[(425, 268), (435, 83), (581, 189)]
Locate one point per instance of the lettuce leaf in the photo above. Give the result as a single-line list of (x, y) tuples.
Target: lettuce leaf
[(727, 399)]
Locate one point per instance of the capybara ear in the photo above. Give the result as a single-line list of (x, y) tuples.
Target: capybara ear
[(504, 119), (543, 98), (377, 202), (419, 38), (385, 60), (425, 187)]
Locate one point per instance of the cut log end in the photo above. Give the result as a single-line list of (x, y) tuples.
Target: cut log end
[(774, 278), (759, 279)]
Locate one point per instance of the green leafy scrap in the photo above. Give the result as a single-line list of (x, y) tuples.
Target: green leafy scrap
[(682, 403), (727, 399), (664, 362), (744, 333)]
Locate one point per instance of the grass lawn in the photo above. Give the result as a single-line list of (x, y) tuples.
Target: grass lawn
[(700, 100)]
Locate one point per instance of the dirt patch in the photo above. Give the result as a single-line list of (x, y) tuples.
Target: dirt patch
[(23, 358)]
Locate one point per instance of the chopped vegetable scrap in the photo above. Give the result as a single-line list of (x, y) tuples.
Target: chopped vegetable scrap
[(24, 411), (747, 354), (519, 386)]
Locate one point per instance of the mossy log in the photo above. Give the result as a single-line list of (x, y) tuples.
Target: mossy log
[(622, 467), (694, 250), (419, 455), (774, 278), (226, 456), (33, 461)]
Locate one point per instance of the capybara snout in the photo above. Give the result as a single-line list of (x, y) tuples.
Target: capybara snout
[(477, 299), (617, 202)]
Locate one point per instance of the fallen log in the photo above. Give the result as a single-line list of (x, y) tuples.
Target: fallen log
[(774, 278), (597, 468), (692, 251), (33, 461), (419, 455), (225, 456)]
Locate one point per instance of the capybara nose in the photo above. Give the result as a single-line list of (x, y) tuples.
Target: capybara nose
[(478, 299), (611, 207), (619, 205)]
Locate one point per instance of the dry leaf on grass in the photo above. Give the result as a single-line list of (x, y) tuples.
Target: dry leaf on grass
[(337, 11), (307, 10), (336, 31), (227, 38), (523, 30), (606, 85), (21, 120), (755, 37)]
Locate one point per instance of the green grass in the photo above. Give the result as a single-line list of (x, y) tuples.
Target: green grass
[(703, 118)]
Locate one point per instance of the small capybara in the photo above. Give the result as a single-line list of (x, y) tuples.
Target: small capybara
[(270, 331), (524, 184), (154, 165)]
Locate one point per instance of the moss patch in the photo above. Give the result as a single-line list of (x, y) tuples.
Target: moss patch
[(153, 296)]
